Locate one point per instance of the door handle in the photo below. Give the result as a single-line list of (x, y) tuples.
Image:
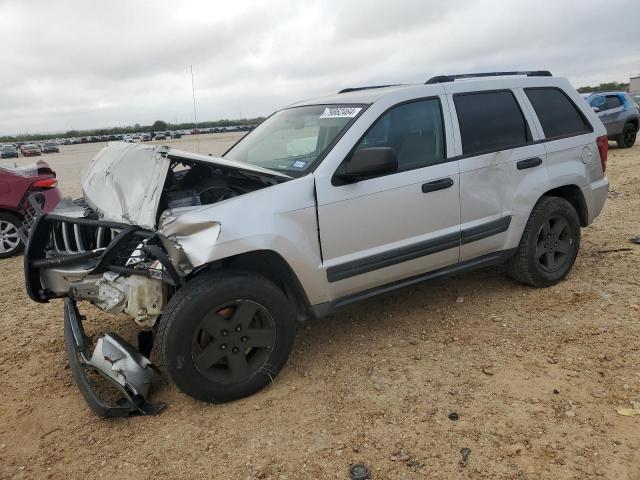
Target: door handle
[(437, 185), (529, 163)]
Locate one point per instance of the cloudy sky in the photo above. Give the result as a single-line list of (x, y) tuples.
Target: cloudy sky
[(88, 63)]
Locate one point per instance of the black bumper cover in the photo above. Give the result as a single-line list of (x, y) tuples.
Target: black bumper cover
[(78, 354)]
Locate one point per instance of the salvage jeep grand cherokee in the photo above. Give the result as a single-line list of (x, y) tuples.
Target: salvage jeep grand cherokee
[(327, 202)]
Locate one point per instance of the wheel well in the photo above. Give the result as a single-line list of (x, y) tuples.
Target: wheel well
[(11, 212), (573, 195), (634, 121), (272, 266)]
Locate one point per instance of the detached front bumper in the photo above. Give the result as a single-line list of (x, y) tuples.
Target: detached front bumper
[(119, 268), (115, 360)]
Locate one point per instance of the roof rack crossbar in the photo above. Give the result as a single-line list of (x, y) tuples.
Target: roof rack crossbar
[(451, 78), (357, 89)]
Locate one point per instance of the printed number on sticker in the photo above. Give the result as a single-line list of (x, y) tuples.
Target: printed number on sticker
[(345, 112)]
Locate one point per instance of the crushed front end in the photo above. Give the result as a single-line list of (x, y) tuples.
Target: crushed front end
[(120, 268), (126, 248)]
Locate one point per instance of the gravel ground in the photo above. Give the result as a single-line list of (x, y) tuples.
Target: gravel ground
[(534, 376)]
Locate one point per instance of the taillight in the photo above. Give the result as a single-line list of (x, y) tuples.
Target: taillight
[(603, 148), (46, 183)]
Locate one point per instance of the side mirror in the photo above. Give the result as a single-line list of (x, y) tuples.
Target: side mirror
[(368, 162), (595, 109)]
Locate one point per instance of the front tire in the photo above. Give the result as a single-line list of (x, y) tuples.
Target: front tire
[(10, 241), (226, 335), (549, 244), (628, 136)]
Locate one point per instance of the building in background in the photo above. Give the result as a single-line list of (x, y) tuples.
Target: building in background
[(634, 88)]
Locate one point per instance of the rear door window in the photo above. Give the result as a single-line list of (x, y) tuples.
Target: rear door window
[(558, 115), (613, 101), (490, 121)]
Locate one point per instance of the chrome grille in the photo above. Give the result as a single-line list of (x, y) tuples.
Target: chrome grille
[(72, 238)]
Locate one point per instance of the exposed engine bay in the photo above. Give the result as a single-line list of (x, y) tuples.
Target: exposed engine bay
[(191, 184)]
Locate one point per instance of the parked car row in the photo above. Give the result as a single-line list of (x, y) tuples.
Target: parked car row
[(11, 150), (50, 146), (234, 128)]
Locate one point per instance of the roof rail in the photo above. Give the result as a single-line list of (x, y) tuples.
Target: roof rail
[(357, 89), (451, 78)]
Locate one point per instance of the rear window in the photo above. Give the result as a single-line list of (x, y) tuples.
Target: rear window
[(490, 121), (558, 115)]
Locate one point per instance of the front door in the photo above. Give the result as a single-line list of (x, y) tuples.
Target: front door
[(380, 230)]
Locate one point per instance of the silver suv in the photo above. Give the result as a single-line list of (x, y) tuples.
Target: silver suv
[(328, 202)]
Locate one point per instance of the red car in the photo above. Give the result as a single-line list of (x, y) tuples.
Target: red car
[(30, 150), (16, 185)]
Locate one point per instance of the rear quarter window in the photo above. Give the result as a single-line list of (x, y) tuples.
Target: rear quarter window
[(558, 115)]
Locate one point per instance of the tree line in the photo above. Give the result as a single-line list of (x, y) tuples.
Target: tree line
[(606, 87), (158, 125)]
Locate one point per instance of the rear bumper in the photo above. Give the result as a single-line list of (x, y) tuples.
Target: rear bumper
[(595, 195)]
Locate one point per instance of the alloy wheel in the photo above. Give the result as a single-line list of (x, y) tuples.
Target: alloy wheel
[(233, 341), (9, 237), (555, 242)]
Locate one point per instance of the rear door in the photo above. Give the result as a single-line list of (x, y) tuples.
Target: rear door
[(502, 168), (380, 230)]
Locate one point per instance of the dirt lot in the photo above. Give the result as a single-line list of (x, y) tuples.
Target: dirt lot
[(535, 377)]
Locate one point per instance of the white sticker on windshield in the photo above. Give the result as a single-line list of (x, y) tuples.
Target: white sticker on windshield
[(342, 112), (299, 164)]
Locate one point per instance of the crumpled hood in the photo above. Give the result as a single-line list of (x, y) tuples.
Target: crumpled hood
[(124, 182)]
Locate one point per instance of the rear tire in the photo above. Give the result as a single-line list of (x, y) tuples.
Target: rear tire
[(549, 244), (226, 335), (628, 136), (10, 241)]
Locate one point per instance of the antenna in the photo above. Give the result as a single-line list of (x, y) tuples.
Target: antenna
[(195, 115)]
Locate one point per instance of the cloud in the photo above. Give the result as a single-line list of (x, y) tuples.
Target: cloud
[(94, 64)]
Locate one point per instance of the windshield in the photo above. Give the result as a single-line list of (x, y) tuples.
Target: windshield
[(292, 140)]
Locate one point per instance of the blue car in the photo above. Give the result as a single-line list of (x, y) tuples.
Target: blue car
[(619, 113), (8, 151)]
